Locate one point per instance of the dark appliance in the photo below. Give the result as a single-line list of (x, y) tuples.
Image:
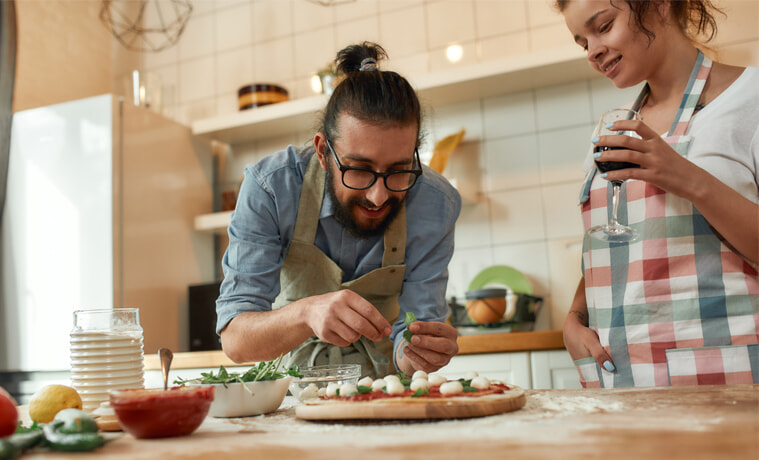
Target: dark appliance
[(203, 335)]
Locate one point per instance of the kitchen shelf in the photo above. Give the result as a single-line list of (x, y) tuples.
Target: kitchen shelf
[(216, 222), (486, 79)]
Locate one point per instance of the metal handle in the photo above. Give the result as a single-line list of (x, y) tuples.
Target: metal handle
[(166, 356)]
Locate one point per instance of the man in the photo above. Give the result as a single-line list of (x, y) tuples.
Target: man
[(330, 247)]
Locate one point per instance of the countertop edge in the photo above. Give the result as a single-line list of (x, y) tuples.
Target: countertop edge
[(468, 344)]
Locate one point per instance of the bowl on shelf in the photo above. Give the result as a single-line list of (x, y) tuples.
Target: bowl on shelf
[(159, 413), (260, 94), (315, 379), (245, 399)]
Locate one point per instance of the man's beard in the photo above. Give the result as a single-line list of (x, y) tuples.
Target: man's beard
[(344, 217)]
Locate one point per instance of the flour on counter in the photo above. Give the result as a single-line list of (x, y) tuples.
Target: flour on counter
[(565, 405), (542, 411)]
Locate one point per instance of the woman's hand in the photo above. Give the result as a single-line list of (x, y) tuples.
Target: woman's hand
[(731, 215), (659, 163), (579, 340)]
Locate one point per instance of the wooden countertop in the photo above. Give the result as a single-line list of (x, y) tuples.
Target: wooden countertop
[(483, 343), (688, 423)]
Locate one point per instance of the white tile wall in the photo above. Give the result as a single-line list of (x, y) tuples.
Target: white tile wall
[(448, 22), (524, 150)]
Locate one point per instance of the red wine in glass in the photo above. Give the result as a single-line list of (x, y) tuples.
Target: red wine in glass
[(614, 231), (606, 166)]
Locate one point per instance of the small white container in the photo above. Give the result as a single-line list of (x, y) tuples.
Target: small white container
[(249, 398)]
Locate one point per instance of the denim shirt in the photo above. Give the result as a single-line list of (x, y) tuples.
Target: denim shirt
[(263, 223)]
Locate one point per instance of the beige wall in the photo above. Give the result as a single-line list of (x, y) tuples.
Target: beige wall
[(64, 52)]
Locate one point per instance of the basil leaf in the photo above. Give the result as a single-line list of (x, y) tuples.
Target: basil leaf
[(407, 320), (420, 392)]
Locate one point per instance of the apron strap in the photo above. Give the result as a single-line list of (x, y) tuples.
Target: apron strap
[(692, 94), (310, 205), (395, 240)]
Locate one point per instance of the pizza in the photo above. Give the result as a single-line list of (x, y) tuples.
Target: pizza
[(420, 397)]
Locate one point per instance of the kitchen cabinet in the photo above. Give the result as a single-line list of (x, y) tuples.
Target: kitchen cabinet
[(482, 80), (511, 368), (553, 369), (540, 369)]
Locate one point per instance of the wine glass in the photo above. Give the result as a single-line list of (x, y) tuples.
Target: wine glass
[(614, 232)]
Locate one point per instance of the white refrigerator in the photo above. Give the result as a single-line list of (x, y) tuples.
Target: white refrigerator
[(100, 203)]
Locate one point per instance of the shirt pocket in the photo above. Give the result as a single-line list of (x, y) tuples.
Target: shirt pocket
[(721, 365)]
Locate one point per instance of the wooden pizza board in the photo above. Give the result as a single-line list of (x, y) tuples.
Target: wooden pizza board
[(384, 409)]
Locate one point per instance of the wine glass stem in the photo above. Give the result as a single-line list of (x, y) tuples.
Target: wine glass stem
[(616, 186)]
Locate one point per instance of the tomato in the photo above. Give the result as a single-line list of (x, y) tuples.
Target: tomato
[(8, 414)]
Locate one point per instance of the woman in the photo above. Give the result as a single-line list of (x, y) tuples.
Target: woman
[(681, 304)]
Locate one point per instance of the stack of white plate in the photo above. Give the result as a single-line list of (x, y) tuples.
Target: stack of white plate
[(103, 361)]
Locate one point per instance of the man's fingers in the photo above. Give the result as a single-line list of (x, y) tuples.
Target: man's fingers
[(434, 328), (369, 322)]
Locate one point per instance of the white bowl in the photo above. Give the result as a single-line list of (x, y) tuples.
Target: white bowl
[(249, 398)]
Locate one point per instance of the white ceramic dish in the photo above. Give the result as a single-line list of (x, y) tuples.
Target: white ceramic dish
[(235, 400)]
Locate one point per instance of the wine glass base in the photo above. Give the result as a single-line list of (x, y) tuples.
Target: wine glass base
[(614, 233)]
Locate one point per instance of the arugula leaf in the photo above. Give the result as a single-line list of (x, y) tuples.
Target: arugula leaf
[(407, 320), (265, 370)]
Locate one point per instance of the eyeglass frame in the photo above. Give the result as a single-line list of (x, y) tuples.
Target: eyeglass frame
[(384, 175)]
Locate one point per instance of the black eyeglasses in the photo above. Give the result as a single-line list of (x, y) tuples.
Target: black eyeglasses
[(362, 178)]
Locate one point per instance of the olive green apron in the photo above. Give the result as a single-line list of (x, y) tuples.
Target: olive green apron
[(307, 271)]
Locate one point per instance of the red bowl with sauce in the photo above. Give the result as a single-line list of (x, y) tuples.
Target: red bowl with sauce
[(155, 413)]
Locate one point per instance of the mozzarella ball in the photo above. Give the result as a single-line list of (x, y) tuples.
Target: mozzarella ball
[(332, 388), (470, 375), (365, 382), (453, 387), (378, 385), (348, 389), (419, 375), (481, 383), (391, 378), (416, 384), (395, 387), (436, 380), (310, 392)]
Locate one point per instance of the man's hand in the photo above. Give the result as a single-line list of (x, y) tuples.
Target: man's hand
[(342, 317), (432, 347)]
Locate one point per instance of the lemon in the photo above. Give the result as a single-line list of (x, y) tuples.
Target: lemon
[(50, 400)]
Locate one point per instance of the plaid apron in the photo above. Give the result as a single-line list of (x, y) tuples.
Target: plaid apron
[(678, 306), (307, 271)]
